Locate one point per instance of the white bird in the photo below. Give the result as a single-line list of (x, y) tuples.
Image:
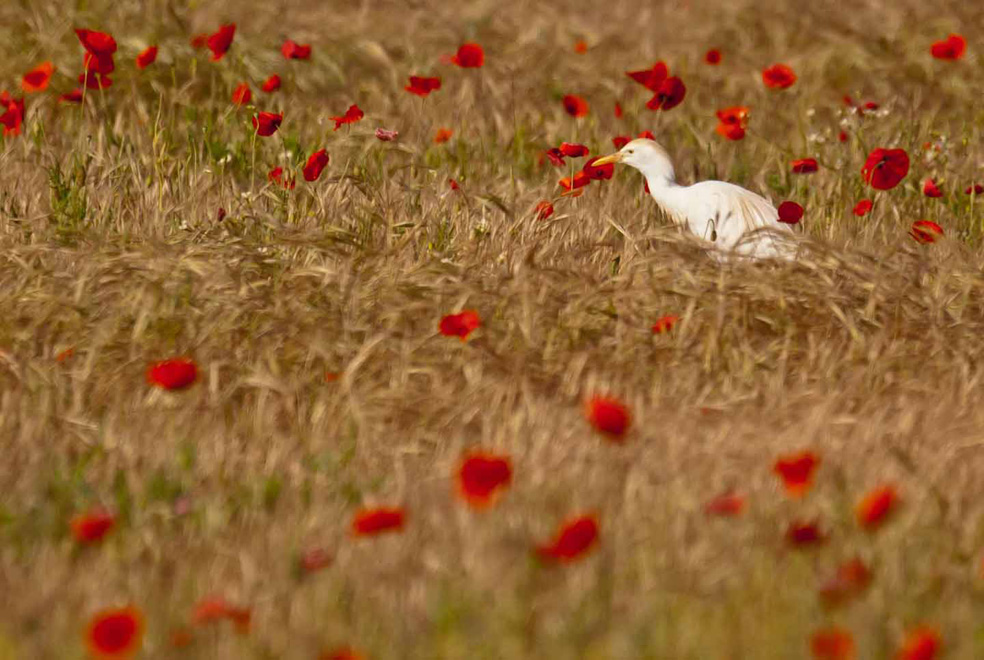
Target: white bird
[(735, 221)]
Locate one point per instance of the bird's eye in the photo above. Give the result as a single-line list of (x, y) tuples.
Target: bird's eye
[(629, 151)]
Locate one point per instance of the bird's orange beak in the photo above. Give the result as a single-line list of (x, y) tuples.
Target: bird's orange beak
[(607, 160)]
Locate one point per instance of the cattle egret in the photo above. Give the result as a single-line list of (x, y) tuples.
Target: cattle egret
[(733, 220)]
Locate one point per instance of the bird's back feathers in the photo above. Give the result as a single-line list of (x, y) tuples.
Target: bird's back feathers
[(730, 217)]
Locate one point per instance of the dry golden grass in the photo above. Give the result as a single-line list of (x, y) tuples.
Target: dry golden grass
[(867, 351)]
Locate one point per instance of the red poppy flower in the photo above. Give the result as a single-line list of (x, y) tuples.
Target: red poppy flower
[(37, 79), (732, 122), (620, 141), (926, 231), (670, 94), (481, 476), (147, 57), (801, 533), (832, 644), (98, 43), (98, 63), (648, 135), (65, 356), (805, 166), (600, 172), (862, 208), (556, 156), (215, 608), (885, 168), (242, 95), (199, 41), (220, 41), (423, 86), (730, 131), (442, 135), (575, 106), (852, 578), (95, 81), (665, 323), (115, 633), (580, 47), (276, 175), (544, 210), (344, 653), (922, 643), (352, 115), (930, 189), (778, 76), (175, 374), (469, 56), (713, 56), (267, 123), (790, 213), (573, 540), (74, 96), (13, 116), (951, 48), (376, 521), (317, 162), (842, 136), (315, 559), (608, 416), (651, 78), (579, 180), (796, 472), (453, 184), (726, 505), (974, 189), (295, 51), (876, 506), (92, 526), (271, 84), (385, 135), (573, 150), (459, 325), (618, 110)]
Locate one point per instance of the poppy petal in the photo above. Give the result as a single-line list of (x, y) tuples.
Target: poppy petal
[(608, 416), (115, 633), (573, 540), (369, 522), (316, 163)]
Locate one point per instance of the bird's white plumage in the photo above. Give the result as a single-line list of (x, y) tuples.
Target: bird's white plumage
[(733, 220)]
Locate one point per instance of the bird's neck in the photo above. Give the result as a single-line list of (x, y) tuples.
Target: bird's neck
[(664, 189)]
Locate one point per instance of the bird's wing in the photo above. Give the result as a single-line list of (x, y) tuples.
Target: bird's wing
[(742, 220)]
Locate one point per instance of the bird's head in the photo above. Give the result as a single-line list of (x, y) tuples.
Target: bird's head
[(645, 155)]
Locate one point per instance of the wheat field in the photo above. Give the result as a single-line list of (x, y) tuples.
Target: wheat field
[(141, 225)]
